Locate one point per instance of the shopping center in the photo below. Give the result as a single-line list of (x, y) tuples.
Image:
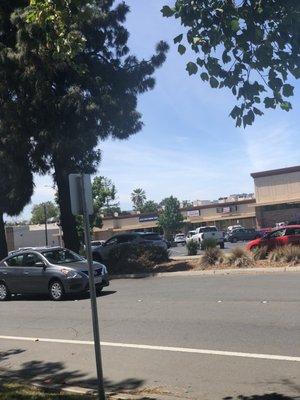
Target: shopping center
[(276, 199)]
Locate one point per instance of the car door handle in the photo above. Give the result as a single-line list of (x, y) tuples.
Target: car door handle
[(26, 273)]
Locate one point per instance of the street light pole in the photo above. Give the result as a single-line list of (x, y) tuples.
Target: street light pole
[(46, 227)]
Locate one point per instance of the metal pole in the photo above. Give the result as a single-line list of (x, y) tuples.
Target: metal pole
[(88, 250), (46, 228)]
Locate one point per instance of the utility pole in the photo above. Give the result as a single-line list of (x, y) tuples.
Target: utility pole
[(46, 227)]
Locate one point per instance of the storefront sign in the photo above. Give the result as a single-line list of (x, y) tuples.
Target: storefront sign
[(193, 213), (149, 217)]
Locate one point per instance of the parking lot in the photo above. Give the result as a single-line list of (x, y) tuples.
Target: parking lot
[(207, 338), (181, 250)]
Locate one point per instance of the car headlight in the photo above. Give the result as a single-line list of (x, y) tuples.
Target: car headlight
[(70, 274)]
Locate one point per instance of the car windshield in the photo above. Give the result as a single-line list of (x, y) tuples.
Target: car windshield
[(61, 256), (151, 236)]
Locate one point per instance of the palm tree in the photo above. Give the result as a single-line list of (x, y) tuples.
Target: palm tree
[(138, 198), (16, 182)]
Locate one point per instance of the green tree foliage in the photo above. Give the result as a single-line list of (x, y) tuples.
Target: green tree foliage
[(67, 81), (171, 219), (138, 198), (38, 212), (251, 47), (149, 207), (16, 187), (104, 193)]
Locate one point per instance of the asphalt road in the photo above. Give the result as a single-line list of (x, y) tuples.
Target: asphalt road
[(181, 250), (234, 328)]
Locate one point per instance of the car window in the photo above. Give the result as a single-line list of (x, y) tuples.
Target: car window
[(111, 241), (125, 238), (16, 261), (293, 231), (61, 256), (280, 232), (154, 236), (31, 259)]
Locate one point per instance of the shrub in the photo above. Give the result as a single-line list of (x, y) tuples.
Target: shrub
[(209, 243), (239, 258), (289, 254), (212, 256), (130, 258), (192, 247), (260, 253)]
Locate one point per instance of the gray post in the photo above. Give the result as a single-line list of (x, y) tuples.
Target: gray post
[(46, 227), (88, 250)]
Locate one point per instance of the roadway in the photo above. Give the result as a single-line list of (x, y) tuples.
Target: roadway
[(208, 337)]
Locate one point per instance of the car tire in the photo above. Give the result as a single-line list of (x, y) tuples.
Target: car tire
[(99, 290), (56, 290), (97, 257), (222, 245), (234, 240), (4, 292)]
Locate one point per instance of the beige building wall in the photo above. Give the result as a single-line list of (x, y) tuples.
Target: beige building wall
[(275, 189)]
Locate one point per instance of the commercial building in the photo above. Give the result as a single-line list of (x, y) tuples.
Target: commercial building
[(277, 194), (277, 199)]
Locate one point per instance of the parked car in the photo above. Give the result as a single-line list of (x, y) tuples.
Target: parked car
[(180, 239), (48, 270), (208, 232), (233, 227), (278, 237), (189, 236), (242, 234), (101, 253)]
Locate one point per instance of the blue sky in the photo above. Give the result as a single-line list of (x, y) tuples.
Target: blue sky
[(189, 147)]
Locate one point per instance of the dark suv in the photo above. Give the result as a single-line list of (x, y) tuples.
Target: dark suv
[(242, 234), (53, 270), (101, 253)]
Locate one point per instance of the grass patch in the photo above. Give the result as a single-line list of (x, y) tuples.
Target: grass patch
[(239, 258), (18, 391), (261, 253)]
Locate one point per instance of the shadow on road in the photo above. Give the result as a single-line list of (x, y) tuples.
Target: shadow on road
[(80, 296), (55, 373)]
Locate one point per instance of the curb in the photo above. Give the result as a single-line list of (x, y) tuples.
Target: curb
[(212, 272)]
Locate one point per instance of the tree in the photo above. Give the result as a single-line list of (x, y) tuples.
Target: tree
[(138, 198), (251, 47), (171, 219), (38, 212), (16, 187), (104, 192), (149, 207), (69, 81), (186, 203)]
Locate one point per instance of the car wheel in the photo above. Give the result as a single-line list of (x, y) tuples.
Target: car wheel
[(99, 290), (234, 240), (56, 290), (222, 245), (4, 292)]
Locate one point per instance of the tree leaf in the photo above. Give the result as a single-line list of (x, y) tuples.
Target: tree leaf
[(234, 25), (192, 68), (288, 90), (178, 38), (167, 11), (204, 76), (181, 49), (214, 83)]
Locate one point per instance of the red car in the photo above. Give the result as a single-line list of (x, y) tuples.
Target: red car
[(278, 237)]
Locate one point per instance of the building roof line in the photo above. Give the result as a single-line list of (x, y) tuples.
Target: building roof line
[(279, 171)]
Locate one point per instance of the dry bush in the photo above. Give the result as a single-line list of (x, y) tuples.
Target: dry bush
[(239, 258), (288, 254), (192, 247), (212, 256), (261, 253)]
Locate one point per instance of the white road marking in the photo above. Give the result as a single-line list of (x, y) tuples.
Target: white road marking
[(158, 348)]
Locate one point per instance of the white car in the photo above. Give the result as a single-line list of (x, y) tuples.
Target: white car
[(208, 232), (180, 238)]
